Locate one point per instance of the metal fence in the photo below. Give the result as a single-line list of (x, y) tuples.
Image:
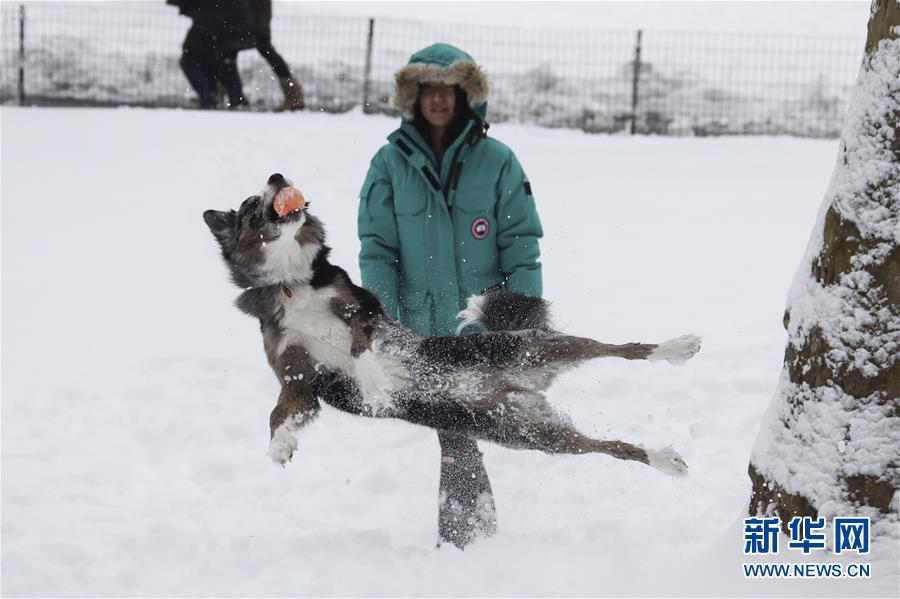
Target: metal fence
[(79, 53)]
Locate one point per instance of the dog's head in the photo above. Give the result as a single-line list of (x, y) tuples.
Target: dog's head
[(262, 248)]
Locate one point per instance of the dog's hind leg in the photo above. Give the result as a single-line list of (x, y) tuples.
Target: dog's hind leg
[(559, 439), (665, 460), (576, 349)]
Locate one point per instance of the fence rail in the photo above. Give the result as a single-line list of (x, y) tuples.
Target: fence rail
[(81, 53)]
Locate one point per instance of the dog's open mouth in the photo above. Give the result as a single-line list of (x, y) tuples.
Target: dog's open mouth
[(287, 204), (291, 217)]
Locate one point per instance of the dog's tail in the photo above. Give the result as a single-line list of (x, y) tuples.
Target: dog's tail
[(505, 311)]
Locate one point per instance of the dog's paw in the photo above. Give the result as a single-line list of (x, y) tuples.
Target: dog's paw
[(282, 445), (678, 350), (667, 460)]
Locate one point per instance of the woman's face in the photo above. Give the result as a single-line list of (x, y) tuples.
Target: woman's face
[(438, 103)]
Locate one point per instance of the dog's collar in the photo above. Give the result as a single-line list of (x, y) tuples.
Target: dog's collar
[(287, 291)]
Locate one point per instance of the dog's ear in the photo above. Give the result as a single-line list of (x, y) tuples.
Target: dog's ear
[(222, 225)]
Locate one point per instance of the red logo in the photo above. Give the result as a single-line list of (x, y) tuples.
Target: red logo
[(480, 228)]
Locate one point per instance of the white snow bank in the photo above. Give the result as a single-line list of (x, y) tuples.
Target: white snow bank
[(853, 320)]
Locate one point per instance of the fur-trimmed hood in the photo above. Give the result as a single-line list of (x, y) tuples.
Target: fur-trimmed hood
[(440, 63)]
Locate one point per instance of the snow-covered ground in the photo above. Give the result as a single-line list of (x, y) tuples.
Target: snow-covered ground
[(135, 397)]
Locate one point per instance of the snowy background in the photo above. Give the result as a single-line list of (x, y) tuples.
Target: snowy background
[(135, 397), (812, 17), (706, 68)]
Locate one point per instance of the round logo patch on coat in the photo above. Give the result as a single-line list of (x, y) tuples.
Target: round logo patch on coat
[(481, 227)]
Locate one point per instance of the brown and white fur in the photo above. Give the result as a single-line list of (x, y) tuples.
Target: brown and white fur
[(328, 338)]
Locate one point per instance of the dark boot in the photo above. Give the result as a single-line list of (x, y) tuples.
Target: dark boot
[(466, 503), (293, 95)]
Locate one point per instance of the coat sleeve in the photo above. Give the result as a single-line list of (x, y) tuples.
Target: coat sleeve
[(518, 231), (379, 252)]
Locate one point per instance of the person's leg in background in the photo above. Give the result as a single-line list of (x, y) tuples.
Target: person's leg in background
[(196, 60), (231, 78), (293, 92)]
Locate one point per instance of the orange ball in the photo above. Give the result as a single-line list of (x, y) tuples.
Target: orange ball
[(288, 200)]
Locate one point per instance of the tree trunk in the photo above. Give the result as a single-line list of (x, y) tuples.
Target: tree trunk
[(830, 442)]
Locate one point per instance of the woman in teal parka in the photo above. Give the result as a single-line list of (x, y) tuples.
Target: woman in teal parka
[(446, 213)]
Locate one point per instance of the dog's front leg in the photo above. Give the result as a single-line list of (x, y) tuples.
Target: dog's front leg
[(297, 404), (296, 407)]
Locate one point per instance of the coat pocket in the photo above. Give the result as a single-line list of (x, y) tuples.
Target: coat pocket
[(475, 198), (410, 212), (475, 214), (409, 203), (416, 312)]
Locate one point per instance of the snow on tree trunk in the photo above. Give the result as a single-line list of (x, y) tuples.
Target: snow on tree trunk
[(829, 444)]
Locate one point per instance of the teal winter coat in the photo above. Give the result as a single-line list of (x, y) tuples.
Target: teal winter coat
[(433, 234)]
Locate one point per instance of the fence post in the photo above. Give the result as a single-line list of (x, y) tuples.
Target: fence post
[(21, 55), (368, 74), (634, 82)]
